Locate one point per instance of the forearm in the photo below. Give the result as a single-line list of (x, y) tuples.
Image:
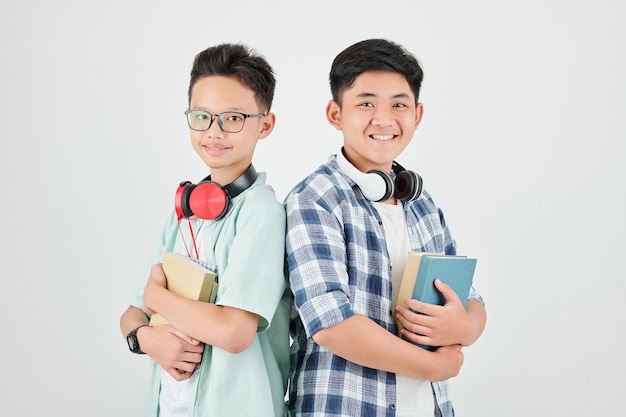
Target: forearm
[(229, 328), (362, 341), (132, 317)]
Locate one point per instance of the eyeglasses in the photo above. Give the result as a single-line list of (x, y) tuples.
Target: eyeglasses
[(228, 121)]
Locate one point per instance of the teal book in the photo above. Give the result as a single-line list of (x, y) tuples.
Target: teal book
[(421, 271)]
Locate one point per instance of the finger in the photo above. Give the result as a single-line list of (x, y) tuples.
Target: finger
[(419, 307), (184, 337), (157, 269), (157, 276), (416, 323), (186, 367), (180, 374), (447, 291), (417, 338)]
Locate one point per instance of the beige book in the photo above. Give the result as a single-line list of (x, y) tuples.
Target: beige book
[(408, 280), (187, 278)]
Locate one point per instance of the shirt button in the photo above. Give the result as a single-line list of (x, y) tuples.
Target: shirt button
[(392, 406), (380, 222)]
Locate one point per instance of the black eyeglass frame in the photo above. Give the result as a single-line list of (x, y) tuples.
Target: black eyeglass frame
[(219, 119)]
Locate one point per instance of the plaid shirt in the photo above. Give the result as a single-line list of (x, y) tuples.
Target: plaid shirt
[(339, 266)]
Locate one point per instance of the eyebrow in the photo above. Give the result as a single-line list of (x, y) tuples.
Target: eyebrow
[(367, 95), (230, 109)]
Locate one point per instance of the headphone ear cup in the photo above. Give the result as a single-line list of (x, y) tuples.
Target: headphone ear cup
[(373, 189), (376, 185), (208, 201), (407, 186), (181, 200)]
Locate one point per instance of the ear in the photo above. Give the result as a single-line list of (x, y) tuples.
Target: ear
[(419, 112), (267, 125), (333, 114)]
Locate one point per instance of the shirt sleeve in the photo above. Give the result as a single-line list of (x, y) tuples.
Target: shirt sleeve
[(316, 261), (254, 279)]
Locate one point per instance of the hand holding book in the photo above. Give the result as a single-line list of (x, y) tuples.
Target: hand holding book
[(429, 325), (189, 278), (432, 298)]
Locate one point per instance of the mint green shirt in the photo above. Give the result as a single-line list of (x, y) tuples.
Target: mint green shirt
[(247, 245)]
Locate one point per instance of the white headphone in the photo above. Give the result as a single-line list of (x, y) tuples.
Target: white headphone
[(377, 185)]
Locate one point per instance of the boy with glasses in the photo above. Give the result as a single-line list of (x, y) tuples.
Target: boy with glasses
[(230, 357), (350, 226)]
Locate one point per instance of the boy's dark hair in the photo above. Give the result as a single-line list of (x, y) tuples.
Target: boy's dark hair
[(373, 55), (238, 61)]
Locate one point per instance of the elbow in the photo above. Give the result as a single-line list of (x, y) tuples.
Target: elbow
[(323, 338), (236, 342), (238, 330), (478, 321)]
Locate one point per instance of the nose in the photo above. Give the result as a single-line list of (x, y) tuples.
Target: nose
[(214, 129), (383, 117)]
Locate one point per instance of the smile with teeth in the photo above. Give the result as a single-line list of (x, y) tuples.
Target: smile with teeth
[(382, 137)]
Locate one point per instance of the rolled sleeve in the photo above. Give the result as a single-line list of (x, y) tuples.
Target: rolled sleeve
[(316, 258)]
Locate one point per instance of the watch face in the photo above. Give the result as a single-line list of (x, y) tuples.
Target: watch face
[(133, 343), (131, 339)]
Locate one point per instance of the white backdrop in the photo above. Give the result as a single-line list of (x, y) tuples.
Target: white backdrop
[(522, 145)]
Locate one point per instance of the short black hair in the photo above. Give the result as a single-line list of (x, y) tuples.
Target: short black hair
[(241, 62), (374, 55)]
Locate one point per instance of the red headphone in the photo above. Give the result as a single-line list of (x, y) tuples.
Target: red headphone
[(209, 200)]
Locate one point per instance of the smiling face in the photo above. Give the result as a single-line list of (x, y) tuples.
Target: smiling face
[(227, 154), (378, 117)]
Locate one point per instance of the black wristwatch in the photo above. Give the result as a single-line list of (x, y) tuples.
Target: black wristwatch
[(131, 339)]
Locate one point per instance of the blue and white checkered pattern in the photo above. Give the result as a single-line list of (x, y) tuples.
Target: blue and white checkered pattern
[(339, 266)]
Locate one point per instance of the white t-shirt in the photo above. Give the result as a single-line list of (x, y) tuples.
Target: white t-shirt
[(414, 395), (175, 395)]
